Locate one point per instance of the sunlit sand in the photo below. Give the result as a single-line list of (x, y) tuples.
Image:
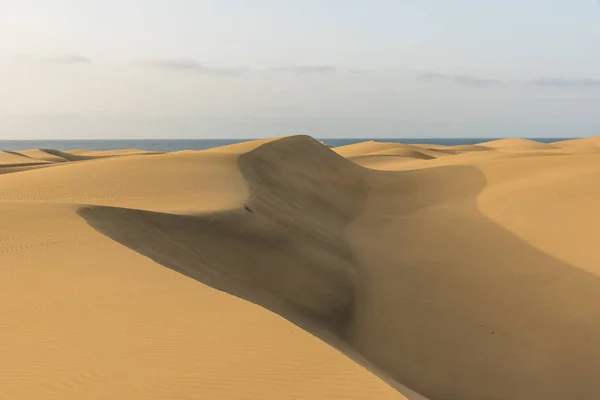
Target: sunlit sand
[(283, 269)]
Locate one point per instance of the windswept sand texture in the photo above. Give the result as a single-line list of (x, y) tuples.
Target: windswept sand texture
[(278, 269)]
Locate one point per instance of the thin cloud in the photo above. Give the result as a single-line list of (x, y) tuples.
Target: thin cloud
[(432, 76), (59, 59), (68, 59), (565, 83), (462, 80), (191, 65), (474, 81), (309, 69)]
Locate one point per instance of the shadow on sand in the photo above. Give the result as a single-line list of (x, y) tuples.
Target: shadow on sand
[(458, 309)]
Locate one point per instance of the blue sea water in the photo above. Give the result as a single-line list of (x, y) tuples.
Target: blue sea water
[(202, 144)]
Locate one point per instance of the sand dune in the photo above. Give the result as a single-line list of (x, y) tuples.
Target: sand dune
[(516, 144), (18, 161), (43, 155), (87, 317), (453, 149), (12, 159), (82, 155), (590, 141), (109, 153), (364, 148), (373, 148), (194, 182), (586, 145), (404, 152), (283, 269), (20, 168)]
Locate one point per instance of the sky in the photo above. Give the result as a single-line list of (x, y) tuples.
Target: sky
[(82, 69)]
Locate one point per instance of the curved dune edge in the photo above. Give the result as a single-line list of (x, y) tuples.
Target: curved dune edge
[(424, 276), (310, 251), (89, 318), (14, 159), (282, 249)]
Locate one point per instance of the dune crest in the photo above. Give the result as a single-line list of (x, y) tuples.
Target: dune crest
[(440, 273), (13, 159), (301, 197), (169, 326), (517, 144)]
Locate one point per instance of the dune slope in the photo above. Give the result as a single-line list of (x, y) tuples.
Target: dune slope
[(282, 249), (473, 306), (468, 276), (85, 317), (12, 158), (517, 144), (406, 303)]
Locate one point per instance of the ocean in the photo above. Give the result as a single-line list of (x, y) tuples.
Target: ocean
[(202, 144)]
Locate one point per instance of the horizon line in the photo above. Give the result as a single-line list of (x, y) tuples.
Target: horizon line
[(315, 137)]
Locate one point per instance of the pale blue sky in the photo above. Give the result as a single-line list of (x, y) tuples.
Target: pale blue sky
[(329, 68)]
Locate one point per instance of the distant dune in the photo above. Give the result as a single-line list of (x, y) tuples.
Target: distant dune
[(13, 159), (515, 144), (282, 269), (586, 144)]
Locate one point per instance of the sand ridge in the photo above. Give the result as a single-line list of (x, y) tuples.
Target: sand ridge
[(87, 317), (24, 160), (460, 273), (43, 155), (517, 144), (13, 158)]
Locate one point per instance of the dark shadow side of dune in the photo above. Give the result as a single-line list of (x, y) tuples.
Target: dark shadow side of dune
[(285, 250)]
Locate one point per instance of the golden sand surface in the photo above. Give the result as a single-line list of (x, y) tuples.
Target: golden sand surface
[(283, 269)]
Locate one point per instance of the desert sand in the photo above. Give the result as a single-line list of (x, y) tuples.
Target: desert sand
[(283, 269)]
